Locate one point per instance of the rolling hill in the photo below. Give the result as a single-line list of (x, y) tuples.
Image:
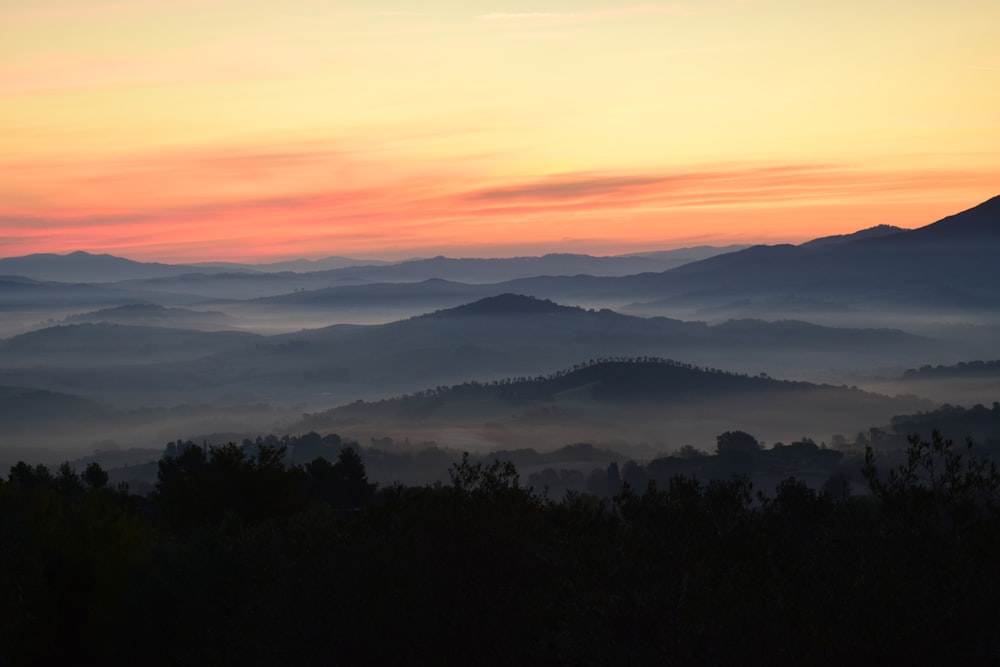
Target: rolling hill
[(613, 401)]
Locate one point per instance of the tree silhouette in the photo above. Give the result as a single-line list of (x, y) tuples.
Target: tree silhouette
[(738, 443), (95, 476)]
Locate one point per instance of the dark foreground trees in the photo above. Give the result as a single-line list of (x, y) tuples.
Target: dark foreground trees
[(240, 560)]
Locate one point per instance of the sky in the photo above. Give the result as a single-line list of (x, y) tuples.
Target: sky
[(194, 130)]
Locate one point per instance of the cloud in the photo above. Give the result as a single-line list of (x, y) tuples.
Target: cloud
[(727, 186), (219, 203), (666, 185), (566, 188)]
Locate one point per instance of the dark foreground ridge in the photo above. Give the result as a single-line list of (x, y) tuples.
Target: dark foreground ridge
[(239, 559)]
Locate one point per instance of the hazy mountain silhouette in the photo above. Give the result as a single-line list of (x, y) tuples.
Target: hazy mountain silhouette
[(83, 267), (506, 305), (616, 381), (980, 223), (492, 270), (293, 265), (977, 368), (617, 400), (80, 345), (429, 293), (870, 233), (680, 256), (946, 265), (24, 406), (147, 314), (487, 339), (18, 292), (507, 334)]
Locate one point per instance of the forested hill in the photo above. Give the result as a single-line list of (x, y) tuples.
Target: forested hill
[(504, 305), (961, 369), (631, 379)]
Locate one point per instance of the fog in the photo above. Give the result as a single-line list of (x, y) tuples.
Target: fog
[(149, 355)]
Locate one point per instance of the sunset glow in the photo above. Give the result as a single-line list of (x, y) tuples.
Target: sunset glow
[(182, 130)]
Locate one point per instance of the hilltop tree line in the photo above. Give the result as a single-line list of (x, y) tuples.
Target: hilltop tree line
[(980, 422), (618, 375), (961, 369), (239, 558)]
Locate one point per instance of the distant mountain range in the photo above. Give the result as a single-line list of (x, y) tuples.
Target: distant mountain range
[(486, 339), (152, 315), (84, 267), (947, 266), (950, 263)]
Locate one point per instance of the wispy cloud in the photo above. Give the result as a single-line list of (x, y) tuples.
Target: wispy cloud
[(572, 187), (744, 186), (312, 200), (561, 189)]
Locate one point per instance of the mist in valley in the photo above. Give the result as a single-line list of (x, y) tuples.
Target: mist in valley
[(98, 349), (199, 434)]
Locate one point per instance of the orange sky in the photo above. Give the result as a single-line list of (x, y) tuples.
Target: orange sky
[(187, 130)]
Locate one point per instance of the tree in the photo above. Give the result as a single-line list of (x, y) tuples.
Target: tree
[(349, 470), (95, 476), (68, 481), (939, 481), (738, 443), (836, 487), (28, 477), (613, 479), (635, 476)]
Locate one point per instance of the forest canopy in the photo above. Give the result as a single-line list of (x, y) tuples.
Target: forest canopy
[(239, 558)]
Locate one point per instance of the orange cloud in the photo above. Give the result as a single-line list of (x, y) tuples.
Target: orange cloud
[(316, 200)]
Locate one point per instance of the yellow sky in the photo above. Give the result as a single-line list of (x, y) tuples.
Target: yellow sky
[(216, 129)]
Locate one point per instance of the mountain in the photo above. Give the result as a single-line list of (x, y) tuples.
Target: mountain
[(962, 369), (293, 265), (493, 270), (515, 334), (870, 233), (491, 338), (946, 266), (506, 305), (609, 401), (152, 315), (227, 381), (979, 223), (681, 256), (83, 267), (425, 294), (617, 381), (19, 292), (86, 345), (22, 407)]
